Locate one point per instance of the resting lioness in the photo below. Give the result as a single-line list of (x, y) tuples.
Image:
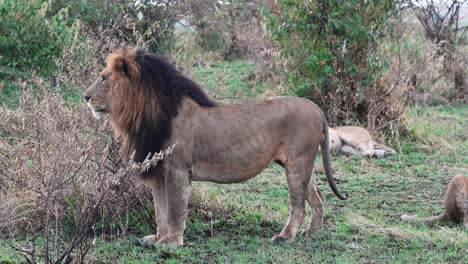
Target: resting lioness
[(357, 141), (456, 204)]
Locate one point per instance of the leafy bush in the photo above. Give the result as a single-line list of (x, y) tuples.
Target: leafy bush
[(138, 22), (331, 48), (32, 39)]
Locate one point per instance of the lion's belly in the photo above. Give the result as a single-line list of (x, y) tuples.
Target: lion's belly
[(232, 174), (238, 162)]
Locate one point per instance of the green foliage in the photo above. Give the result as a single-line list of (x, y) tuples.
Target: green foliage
[(331, 47), (33, 39), (61, 39), (6, 260), (93, 13), (229, 80), (143, 22), (210, 39)]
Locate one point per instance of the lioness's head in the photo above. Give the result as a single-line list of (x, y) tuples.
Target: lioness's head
[(117, 83)]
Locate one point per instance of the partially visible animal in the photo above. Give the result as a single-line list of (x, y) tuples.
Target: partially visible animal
[(456, 204), (152, 106), (356, 140)]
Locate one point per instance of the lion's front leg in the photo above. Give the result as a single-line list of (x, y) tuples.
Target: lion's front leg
[(177, 195), (159, 201)]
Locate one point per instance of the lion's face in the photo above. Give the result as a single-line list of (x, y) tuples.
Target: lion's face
[(97, 96), (335, 141)]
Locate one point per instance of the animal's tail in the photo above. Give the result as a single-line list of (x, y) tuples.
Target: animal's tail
[(383, 147), (428, 220), (327, 163)]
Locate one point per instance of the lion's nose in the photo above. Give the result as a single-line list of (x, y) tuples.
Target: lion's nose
[(87, 98)]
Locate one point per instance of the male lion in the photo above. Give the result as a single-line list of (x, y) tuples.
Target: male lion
[(356, 141), (152, 106), (456, 204)]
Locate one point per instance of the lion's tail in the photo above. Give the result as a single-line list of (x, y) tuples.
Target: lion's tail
[(429, 220), (325, 146)]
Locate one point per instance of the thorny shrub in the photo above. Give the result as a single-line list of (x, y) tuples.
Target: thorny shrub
[(61, 176)]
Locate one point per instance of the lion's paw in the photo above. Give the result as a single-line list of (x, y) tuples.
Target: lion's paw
[(310, 232), (281, 238), (379, 153), (149, 241), (171, 242)]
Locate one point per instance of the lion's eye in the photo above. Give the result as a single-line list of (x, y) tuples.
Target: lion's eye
[(103, 79)]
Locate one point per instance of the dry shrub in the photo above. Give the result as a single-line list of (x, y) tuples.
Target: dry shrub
[(60, 177), (435, 85), (272, 67), (440, 76), (417, 73), (81, 64)]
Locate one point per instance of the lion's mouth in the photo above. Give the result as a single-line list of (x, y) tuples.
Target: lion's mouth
[(98, 113)]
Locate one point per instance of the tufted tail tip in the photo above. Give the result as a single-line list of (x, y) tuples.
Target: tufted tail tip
[(344, 197)]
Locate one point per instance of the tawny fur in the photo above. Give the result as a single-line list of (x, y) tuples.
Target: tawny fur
[(223, 144), (456, 204), (356, 140)]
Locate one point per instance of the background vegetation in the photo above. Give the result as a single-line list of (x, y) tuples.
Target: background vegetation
[(397, 68)]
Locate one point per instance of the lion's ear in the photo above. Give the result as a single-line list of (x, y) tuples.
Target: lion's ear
[(124, 61)]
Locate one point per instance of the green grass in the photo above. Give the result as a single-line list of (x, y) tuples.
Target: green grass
[(10, 96), (229, 80), (234, 223)]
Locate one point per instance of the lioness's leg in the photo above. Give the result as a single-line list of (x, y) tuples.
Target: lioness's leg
[(159, 201), (298, 178), (177, 195), (315, 199), (365, 149), (347, 149)]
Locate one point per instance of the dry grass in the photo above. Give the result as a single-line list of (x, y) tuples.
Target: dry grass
[(60, 175)]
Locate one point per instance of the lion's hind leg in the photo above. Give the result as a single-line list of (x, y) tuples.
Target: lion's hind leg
[(315, 199), (465, 214), (465, 221), (298, 176)]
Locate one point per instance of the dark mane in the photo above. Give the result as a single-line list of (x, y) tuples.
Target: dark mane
[(154, 89), (170, 83)]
